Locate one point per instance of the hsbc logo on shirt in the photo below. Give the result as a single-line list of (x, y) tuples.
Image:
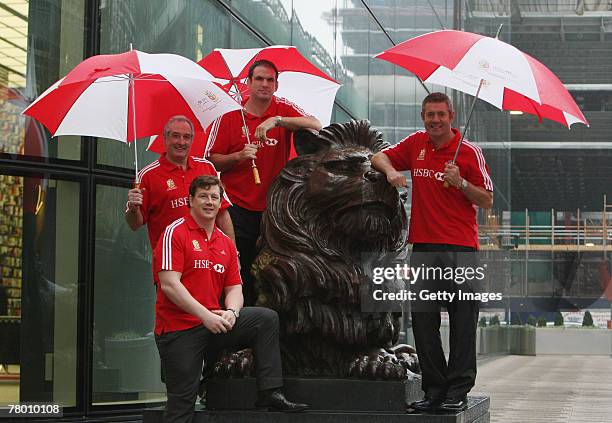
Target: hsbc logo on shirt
[(271, 142), (179, 202), (202, 264), (428, 173), (207, 264)]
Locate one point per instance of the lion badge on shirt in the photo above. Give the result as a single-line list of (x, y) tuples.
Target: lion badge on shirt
[(171, 185), (421, 155), (196, 245)]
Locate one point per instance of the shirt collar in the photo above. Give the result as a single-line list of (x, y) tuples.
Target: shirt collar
[(171, 166), (451, 144), (270, 111), (193, 226)]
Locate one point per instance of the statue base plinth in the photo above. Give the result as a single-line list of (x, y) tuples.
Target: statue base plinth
[(331, 400)]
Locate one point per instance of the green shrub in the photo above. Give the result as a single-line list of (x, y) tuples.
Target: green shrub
[(559, 319), (587, 320), (541, 322), (494, 321), (531, 321), (482, 322)]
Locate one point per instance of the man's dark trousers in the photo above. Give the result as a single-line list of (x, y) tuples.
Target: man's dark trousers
[(246, 227), (439, 378), (182, 353)]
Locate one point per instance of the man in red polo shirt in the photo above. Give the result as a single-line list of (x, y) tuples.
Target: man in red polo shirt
[(444, 233), (196, 263), (162, 195), (270, 121)]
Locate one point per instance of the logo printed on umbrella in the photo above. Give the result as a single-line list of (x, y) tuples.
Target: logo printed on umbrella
[(210, 95), (484, 64), (170, 184), (209, 102), (196, 245)]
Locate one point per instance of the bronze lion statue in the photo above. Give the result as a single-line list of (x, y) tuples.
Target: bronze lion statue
[(327, 208)]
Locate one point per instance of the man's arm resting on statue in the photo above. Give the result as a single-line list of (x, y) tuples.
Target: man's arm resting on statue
[(173, 288), (224, 222), (300, 122), (382, 163)]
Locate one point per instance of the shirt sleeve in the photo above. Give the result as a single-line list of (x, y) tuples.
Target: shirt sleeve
[(478, 171), (220, 137), (169, 252), (232, 276), (400, 154), (289, 109)]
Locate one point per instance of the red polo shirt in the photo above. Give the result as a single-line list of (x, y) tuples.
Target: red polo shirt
[(206, 267), (227, 136), (165, 192), (440, 215)]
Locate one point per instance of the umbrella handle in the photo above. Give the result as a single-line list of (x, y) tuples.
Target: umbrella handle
[(255, 173)]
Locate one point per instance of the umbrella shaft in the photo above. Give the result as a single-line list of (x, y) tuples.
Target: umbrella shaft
[(467, 124)]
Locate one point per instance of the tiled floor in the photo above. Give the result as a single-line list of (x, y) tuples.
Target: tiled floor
[(547, 389)]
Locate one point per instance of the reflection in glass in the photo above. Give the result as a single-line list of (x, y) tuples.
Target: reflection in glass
[(126, 363), (27, 70), (39, 246), (189, 28), (271, 17)]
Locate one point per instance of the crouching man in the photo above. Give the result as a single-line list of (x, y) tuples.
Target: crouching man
[(196, 263)]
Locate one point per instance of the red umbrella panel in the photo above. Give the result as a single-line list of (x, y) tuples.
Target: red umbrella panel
[(129, 96), (511, 79)]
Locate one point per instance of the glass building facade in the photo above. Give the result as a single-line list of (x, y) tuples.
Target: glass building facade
[(77, 307)]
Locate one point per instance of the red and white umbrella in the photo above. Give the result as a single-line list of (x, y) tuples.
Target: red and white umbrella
[(129, 96), (299, 81), (511, 79)]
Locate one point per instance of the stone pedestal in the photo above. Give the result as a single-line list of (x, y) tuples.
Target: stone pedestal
[(331, 400)]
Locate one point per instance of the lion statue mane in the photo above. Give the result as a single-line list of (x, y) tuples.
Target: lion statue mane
[(328, 211)]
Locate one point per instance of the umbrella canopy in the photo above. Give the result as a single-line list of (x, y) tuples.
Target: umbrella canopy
[(130, 95), (299, 81), (512, 80)]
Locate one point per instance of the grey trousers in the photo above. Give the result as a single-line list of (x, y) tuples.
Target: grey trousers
[(182, 353)]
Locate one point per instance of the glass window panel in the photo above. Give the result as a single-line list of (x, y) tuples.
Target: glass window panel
[(39, 268), (186, 27), (125, 359), (40, 42), (312, 28), (271, 18), (352, 61)]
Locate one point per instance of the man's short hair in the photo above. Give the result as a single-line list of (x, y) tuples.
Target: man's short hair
[(205, 182), (177, 118), (264, 63), (437, 98)]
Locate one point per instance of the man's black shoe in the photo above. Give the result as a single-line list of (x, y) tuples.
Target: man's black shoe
[(453, 405), (426, 405), (274, 400)]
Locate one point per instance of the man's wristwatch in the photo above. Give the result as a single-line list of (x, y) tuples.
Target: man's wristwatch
[(464, 184), (236, 313), (278, 121)]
